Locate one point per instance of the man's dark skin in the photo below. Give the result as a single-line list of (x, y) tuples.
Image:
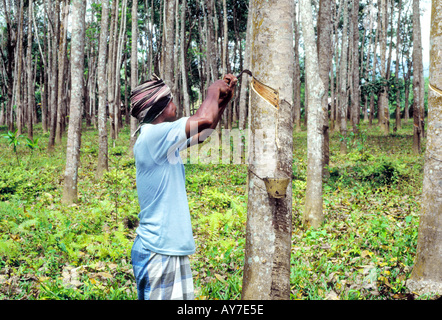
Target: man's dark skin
[(208, 114)]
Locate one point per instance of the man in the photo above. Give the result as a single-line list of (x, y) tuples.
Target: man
[(164, 236)]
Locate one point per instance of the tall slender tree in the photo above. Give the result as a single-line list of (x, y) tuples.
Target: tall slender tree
[(211, 42), (313, 214), (183, 55), (102, 164), (54, 10), (418, 94), (30, 77), (19, 95), (169, 32), (398, 52), (383, 109), (62, 75), (297, 75), (426, 276), (343, 101), (111, 71), (74, 132), (269, 220), (356, 92), (243, 105), (134, 67), (324, 52)]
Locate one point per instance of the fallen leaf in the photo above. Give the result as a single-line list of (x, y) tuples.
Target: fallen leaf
[(398, 296), (365, 253), (220, 278), (104, 275), (332, 296)]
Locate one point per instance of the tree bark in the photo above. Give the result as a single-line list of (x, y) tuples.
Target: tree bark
[(343, 102), (244, 88), (30, 77), (134, 67), (426, 276), (117, 69), (18, 75), (269, 220), (111, 67), (183, 54), (54, 25), (225, 38), (398, 91), (297, 76), (10, 49), (324, 52), (383, 110), (61, 72), (169, 30), (211, 49), (313, 215), (74, 132), (102, 164), (417, 79), (356, 92)]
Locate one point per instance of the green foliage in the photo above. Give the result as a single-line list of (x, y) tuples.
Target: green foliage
[(364, 250), (32, 143), (12, 138)]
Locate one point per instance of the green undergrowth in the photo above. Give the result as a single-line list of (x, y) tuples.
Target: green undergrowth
[(364, 250)]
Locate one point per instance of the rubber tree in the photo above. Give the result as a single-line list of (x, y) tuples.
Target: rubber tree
[(418, 92), (103, 162), (426, 276), (269, 219), (313, 214), (134, 68), (74, 131)]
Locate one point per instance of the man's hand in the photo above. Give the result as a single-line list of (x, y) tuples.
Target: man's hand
[(228, 90), (208, 114)]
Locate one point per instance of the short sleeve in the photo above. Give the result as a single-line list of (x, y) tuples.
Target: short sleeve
[(164, 139)]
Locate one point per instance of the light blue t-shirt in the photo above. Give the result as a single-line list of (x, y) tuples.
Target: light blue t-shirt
[(165, 225)]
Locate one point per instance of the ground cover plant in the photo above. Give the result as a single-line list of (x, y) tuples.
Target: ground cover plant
[(364, 250)]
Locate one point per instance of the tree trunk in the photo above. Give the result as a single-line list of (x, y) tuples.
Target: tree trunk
[(61, 73), (111, 67), (169, 30), (10, 48), (30, 77), (55, 8), (417, 79), (426, 276), (324, 52), (102, 164), (334, 125), (313, 215), (297, 76), (134, 68), (343, 103), (243, 104), (74, 132), (211, 49), (183, 54), (18, 75), (44, 94), (269, 220), (398, 91), (383, 110), (407, 89), (225, 38), (117, 70), (151, 37), (356, 92)]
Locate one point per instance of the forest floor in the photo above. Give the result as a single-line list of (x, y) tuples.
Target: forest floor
[(364, 250)]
